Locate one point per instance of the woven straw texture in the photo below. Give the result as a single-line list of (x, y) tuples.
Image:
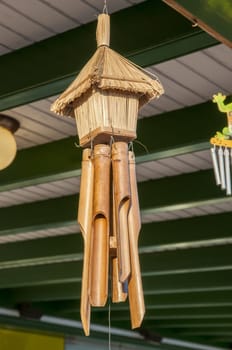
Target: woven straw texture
[(107, 70)]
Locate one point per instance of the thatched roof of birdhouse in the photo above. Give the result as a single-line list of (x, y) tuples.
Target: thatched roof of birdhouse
[(107, 70)]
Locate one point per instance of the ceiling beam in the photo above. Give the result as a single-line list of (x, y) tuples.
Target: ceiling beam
[(46, 68), (157, 196), (209, 325), (61, 159), (226, 331), (121, 337), (175, 235), (18, 253), (71, 272), (60, 258), (214, 257), (100, 316), (169, 194), (67, 286), (68, 291), (157, 315), (186, 230), (214, 17), (51, 215), (50, 254), (69, 327), (25, 265), (72, 306)]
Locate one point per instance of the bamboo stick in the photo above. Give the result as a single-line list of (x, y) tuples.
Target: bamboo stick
[(136, 298), (122, 205), (85, 222), (100, 243)]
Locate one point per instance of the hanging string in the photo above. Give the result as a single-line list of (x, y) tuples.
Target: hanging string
[(109, 328), (147, 72), (91, 145), (142, 145), (111, 141), (105, 8)]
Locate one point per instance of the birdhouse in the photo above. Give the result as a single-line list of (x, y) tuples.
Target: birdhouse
[(107, 94)]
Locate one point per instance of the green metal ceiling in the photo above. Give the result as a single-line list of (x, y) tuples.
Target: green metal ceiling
[(213, 16), (50, 65), (186, 264)]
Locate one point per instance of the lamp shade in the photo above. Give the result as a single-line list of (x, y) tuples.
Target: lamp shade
[(8, 147)]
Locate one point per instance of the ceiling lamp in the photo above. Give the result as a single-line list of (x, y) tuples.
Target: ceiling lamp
[(105, 99), (8, 147)]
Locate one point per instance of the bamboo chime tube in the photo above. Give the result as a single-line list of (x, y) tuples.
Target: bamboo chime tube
[(85, 221), (136, 299), (122, 206), (94, 219), (100, 235)]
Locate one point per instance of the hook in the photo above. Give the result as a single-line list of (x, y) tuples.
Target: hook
[(195, 23), (131, 146), (111, 141)]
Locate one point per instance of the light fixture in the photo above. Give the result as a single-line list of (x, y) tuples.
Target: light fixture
[(8, 147)]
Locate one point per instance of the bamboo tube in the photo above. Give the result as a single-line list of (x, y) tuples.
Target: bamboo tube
[(85, 222), (136, 298), (122, 205), (118, 294), (103, 30), (100, 241)]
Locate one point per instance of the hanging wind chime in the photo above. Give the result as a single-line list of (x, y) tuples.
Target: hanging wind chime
[(104, 99), (222, 147)]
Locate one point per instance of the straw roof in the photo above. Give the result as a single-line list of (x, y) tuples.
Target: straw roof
[(107, 70)]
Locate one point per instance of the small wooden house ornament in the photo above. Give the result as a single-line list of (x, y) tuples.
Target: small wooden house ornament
[(105, 99), (107, 94)]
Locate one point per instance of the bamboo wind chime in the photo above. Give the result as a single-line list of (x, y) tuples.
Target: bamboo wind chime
[(222, 147), (104, 99)]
